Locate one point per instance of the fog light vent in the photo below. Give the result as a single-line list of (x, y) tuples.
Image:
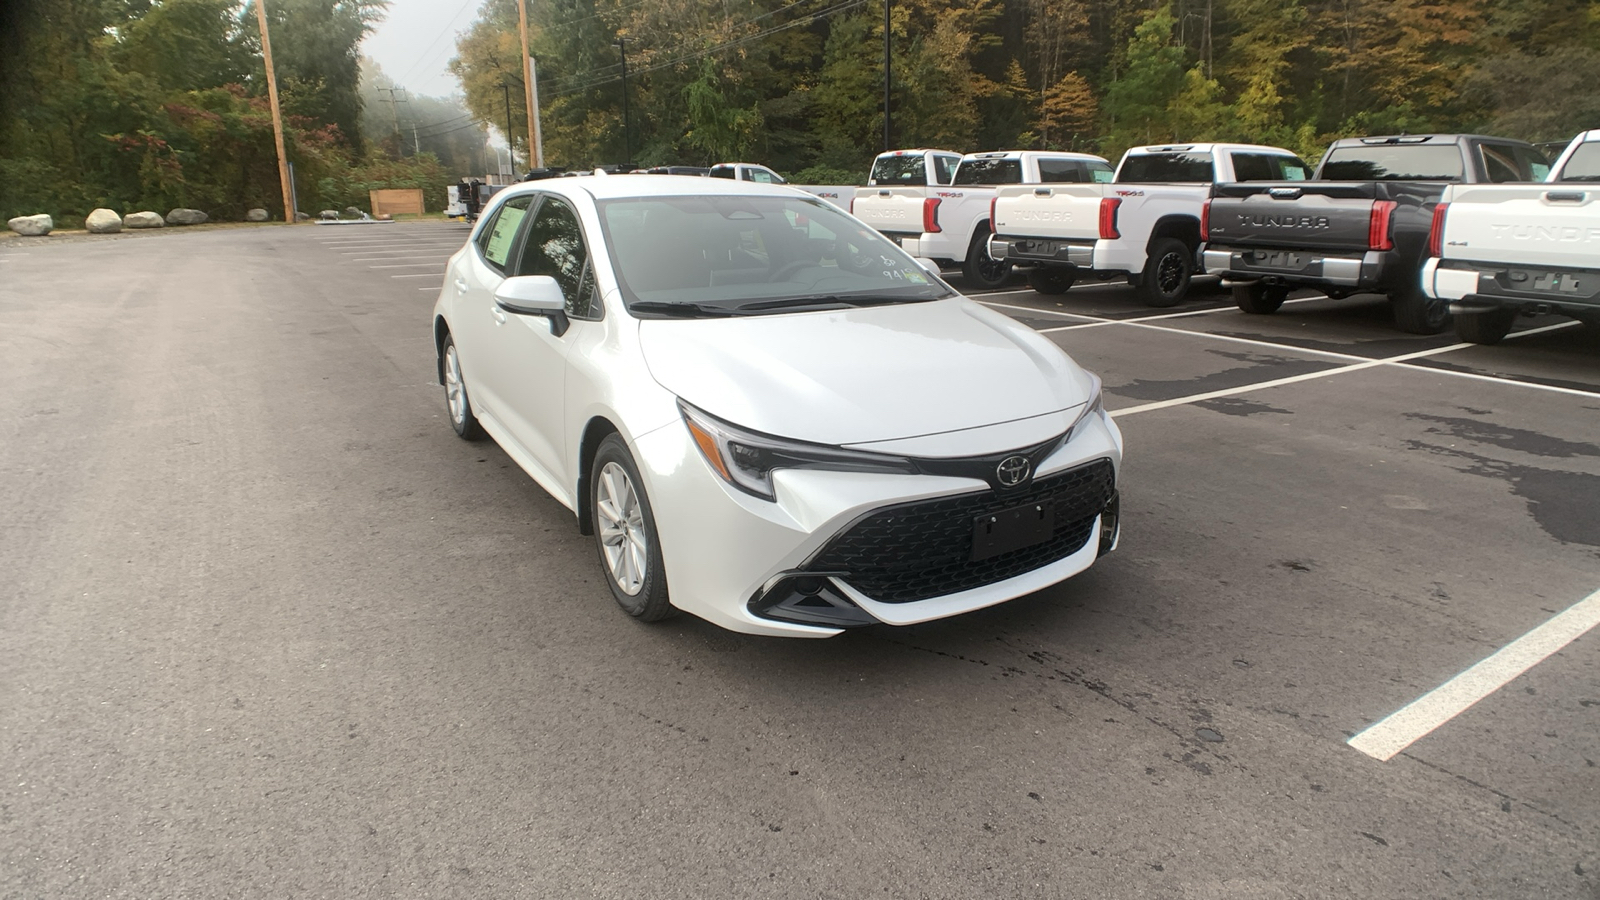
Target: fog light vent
[(810, 599)]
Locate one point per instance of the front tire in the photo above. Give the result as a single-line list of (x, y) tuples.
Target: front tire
[(1051, 279), (1260, 299), (456, 400), (980, 268), (1485, 327), (1168, 268), (625, 534), (1417, 313)]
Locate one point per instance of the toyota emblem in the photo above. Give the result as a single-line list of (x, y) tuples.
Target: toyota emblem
[(1013, 470)]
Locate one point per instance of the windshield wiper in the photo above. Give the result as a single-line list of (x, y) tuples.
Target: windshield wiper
[(845, 300), (683, 310)]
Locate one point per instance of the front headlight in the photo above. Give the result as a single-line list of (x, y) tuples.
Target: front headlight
[(1095, 407), (747, 460)]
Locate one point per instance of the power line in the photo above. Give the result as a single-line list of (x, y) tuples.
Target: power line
[(442, 32)]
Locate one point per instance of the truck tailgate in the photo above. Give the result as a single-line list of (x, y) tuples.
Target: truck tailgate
[(1549, 224), (1062, 211), (891, 210), (1324, 216)]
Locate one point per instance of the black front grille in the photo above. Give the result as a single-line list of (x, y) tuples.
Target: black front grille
[(915, 551)]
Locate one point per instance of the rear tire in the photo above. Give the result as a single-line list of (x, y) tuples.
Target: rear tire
[(1485, 327), (1051, 279), (1417, 313), (980, 268), (1260, 299), (625, 534), (1167, 270)]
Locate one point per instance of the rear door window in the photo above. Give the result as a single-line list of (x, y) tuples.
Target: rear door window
[(1268, 167), (1583, 164), (500, 234), (1172, 168), (722, 172), (906, 170), (1061, 170), (759, 175), (989, 170), (944, 168)]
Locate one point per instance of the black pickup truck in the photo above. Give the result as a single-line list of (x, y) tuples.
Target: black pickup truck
[(1360, 225)]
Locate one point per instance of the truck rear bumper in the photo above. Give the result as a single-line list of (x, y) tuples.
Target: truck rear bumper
[(1042, 250), (1485, 287), (1351, 271)]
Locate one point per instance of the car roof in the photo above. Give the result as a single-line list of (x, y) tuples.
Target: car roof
[(1009, 154), (1435, 139), (1202, 147), (611, 187)]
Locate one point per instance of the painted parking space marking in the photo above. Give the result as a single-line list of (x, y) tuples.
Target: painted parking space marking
[(423, 275), (1412, 722), (400, 256), (427, 265)]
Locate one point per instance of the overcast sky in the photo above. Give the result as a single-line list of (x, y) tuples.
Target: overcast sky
[(416, 41)]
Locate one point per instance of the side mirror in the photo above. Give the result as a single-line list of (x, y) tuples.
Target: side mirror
[(534, 295), (929, 266)]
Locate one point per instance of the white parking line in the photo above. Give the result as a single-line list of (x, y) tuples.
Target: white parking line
[(1048, 312), (393, 257), (1099, 320), (1412, 722), (423, 275), (427, 265)]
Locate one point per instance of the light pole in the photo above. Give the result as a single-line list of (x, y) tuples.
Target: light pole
[(886, 80), (627, 144)]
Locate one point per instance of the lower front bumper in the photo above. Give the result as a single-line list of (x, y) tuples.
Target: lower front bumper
[(730, 556)]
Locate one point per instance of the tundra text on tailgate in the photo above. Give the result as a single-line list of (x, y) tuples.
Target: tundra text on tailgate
[(1359, 226)]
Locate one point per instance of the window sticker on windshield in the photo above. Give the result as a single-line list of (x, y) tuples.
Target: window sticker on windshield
[(1294, 173), (913, 277), (505, 229), (1102, 176)]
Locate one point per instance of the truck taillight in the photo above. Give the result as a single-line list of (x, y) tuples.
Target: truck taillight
[(1378, 226), (1436, 232), (992, 202), (1205, 221), (1108, 219), (930, 215)]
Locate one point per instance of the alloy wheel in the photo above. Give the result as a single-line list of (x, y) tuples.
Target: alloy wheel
[(620, 518)]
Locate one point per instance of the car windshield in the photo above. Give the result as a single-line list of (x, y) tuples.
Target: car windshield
[(713, 254), (1583, 164), (1394, 162)]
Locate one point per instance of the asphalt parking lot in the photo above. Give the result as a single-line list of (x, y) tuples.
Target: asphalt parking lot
[(272, 629)]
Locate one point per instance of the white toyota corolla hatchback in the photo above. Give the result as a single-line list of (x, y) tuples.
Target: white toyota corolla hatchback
[(767, 414)]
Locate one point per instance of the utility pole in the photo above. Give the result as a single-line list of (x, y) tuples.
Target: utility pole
[(886, 78), (538, 131), (511, 142), (627, 144), (534, 154), (277, 115), (416, 141), (394, 107)]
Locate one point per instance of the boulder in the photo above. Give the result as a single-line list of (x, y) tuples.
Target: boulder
[(352, 212), (32, 226), (329, 214), (103, 221), (301, 217), (146, 219), (185, 216), (256, 215)]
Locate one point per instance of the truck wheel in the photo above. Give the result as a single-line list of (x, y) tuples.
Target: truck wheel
[(1418, 313), (980, 268), (1485, 327), (1051, 279), (1260, 299), (1167, 270)]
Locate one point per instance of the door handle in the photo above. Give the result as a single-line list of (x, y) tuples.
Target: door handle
[(461, 285), (499, 317)]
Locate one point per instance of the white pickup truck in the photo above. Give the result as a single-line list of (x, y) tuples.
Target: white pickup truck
[(950, 224), (1497, 251), (838, 195), (1142, 224)]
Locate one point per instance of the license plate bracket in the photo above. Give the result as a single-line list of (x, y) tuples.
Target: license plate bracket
[(1012, 529)]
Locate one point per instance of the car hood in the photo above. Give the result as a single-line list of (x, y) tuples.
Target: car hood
[(863, 375)]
